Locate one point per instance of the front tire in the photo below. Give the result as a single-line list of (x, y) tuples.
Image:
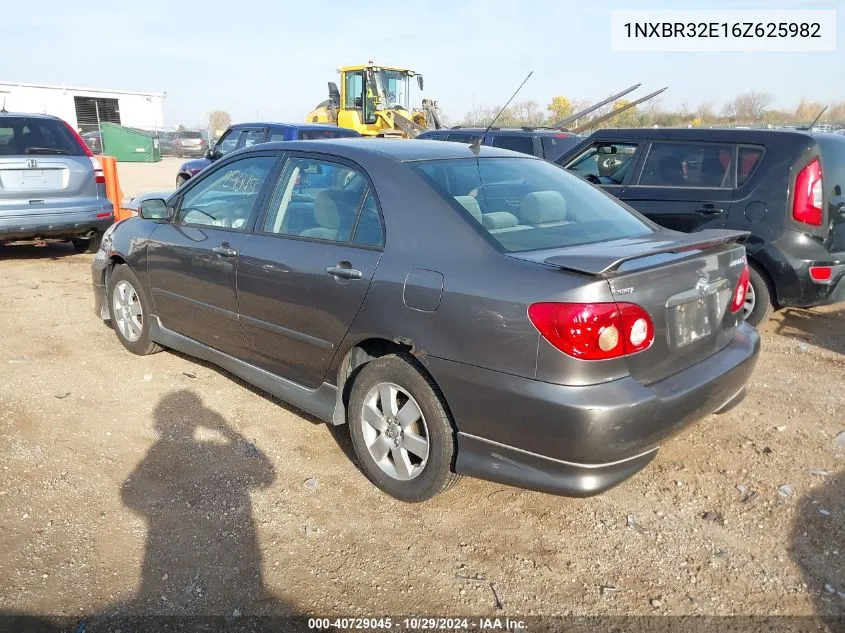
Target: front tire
[(129, 311), (759, 303), (400, 429)]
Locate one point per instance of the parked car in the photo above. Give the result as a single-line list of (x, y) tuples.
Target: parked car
[(189, 143), (167, 142), (247, 134), (94, 140), (51, 186), (515, 323), (785, 187), (547, 143)]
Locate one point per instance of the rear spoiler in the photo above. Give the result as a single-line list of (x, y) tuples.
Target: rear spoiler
[(603, 260)]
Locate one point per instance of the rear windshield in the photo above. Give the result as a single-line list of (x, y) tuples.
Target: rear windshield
[(308, 135), (526, 204), (23, 135), (189, 134)]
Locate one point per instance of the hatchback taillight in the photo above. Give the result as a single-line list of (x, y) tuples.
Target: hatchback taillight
[(594, 331), (741, 290), (807, 200)]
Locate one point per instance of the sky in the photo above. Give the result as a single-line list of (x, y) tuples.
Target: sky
[(271, 60)]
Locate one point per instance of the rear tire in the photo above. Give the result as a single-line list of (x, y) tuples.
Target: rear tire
[(762, 295), (411, 433), (129, 311), (91, 245)]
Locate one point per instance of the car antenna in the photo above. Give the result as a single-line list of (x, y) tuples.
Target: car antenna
[(818, 116), (3, 109), (475, 146)]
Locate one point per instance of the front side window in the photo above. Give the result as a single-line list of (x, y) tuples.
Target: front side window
[(393, 87), (688, 165), (527, 204), (317, 199), (226, 198), (604, 163), (227, 143)]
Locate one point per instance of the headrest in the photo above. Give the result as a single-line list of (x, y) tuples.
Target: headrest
[(499, 220), (326, 212), (543, 206), (470, 204)]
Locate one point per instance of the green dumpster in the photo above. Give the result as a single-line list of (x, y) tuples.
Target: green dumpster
[(129, 145)]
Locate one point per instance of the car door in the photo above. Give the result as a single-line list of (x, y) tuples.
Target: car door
[(192, 260), (684, 185), (303, 273), (609, 164)]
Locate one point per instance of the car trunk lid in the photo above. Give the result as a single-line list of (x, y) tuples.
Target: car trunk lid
[(685, 281)]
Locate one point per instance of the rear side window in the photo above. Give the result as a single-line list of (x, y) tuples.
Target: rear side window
[(23, 135), (528, 204), (688, 165), (310, 135), (253, 137), (462, 137), (749, 159), (278, 135), (524, 144)]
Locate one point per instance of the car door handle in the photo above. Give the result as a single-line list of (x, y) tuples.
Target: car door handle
[(224, 251), (709, 209), (344, 271)]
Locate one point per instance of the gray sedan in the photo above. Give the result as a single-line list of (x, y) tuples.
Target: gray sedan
[(464, 309)]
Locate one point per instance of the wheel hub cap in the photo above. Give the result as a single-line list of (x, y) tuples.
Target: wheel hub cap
[(394, 432)]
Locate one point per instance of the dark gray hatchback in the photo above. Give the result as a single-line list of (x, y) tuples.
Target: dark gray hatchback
[(465, 310)]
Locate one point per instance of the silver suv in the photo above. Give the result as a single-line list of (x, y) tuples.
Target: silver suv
[(51, 185)]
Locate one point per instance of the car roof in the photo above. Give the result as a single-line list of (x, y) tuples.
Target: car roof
[(728, 135), (515, 131), (399, 149), (29, 115)]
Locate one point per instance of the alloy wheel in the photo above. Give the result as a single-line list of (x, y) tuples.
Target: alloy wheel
[(127, 311), (395, 431)]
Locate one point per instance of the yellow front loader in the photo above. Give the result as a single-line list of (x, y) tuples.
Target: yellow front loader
[(375, 101)]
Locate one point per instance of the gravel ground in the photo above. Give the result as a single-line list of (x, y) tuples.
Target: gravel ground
[(164, 485)]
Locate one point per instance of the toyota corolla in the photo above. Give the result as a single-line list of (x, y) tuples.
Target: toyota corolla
[(464, 309)]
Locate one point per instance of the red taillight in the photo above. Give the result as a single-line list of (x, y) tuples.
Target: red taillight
[(741, 290), (79, 140), (594, 331), (807, 200), (99, 176), (821, 273)]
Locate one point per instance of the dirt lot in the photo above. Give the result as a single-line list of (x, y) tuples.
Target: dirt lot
[(162, 485)]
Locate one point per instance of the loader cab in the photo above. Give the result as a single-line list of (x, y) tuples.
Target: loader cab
[(368, 89)]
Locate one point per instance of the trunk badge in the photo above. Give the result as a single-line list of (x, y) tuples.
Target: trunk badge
[(702, 286), (31, 163)]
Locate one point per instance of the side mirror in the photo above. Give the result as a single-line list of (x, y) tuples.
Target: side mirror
[(209, 154), (420, 81), (154, 209)]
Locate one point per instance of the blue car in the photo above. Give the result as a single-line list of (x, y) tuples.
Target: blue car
[(246, 134)]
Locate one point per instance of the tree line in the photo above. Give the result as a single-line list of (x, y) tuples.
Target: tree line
[(750, 108)]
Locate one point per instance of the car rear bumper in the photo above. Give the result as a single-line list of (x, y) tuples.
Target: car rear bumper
[(581, 441), (788, 263), (71, 222)]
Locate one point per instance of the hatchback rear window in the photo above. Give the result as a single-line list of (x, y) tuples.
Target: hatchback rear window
[(23, 135), (190, 134), (527, 204)]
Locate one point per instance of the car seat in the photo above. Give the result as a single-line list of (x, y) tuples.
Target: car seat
[(334, 212)]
